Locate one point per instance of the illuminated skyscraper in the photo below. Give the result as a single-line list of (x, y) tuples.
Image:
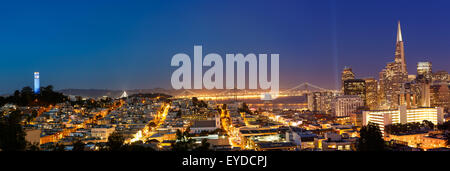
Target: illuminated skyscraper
[(400, 50), (440, 95), (393, 76), (321, 101), (424, 68), (371, 93), (424, 71), (355, 87), (345, 105), (347, 74), (36, 82), (441, 76)]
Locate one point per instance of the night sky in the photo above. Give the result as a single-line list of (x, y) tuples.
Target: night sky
[(129, 44)]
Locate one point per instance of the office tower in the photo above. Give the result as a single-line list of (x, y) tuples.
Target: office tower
[(411, 78), (393, 77), (345, 105), (440, 95), (441, 76), (371, 93), (36, 82), (409, 95), (355, 87), (424, 72), (381, 98), (424, 68), (347, 74), (321, 101), (400, 50)]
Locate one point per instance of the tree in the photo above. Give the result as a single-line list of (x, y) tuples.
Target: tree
[(26, 97), (78, 146), (371, 138), (204, 146), (179, 114), (202, 104), (444, 127), (152, 141), (224, 106), (33, 147), (399, 128), (194, 100), (447, 138), (152, 124), (244, 108), (58, 147), (183, 141), (115, 141), (12, 136), (137, 146), (34, 114), (2, 101), (428, 124)]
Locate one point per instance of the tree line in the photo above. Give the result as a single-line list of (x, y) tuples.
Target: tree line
[(399, 128), (26, 97)]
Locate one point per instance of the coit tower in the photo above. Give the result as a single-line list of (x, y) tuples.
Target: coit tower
[(36, 82)]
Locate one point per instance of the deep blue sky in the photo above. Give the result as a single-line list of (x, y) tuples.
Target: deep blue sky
[(129, 44)]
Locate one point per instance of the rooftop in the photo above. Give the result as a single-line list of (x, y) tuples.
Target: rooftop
[(205, 123)]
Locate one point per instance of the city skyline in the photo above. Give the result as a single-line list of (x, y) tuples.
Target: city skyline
[(73, 51), (185, 77)]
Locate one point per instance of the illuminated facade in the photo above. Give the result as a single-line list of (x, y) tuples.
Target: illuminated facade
[(355, 87), (400, 50), (371, 93), (403, 115), (347, 74), (336, 142), (424, 70), (441, 76), (393, 77), (345, 105), (36, 82), (320, 101), (440, 95)]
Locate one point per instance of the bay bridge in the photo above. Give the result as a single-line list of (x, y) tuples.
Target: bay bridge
[(299, 90)]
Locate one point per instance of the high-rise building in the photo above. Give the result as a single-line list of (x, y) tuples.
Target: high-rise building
[(425, 94), (441, 76), (410, 95), (345, 105), (36, 82), (424, 72), (393, 77), (347, 74), (424, 68), (440, 95), (411, 77), (423, 82), (400, 50), (355, 87), (371, 93), (381, 90), (321, 101)]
